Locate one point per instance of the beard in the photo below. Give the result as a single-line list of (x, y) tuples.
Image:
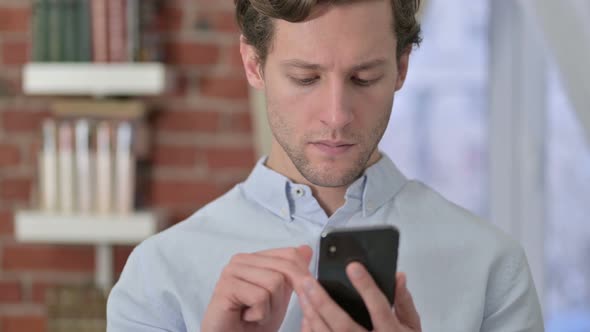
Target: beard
[(331, 172)]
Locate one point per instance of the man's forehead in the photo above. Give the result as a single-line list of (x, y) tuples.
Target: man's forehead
[(349, 36)]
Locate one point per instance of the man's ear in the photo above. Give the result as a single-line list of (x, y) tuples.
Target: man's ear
[(251, 64), (402, 68)]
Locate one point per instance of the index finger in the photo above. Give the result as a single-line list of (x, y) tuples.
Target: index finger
[(292, 262), (300, 255)]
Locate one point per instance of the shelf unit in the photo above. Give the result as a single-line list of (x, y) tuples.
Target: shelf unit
[(95, 83), (94, 79), (102, 231), (36, 226)]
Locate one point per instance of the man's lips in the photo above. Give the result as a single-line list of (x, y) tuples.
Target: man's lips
[(332, 148)]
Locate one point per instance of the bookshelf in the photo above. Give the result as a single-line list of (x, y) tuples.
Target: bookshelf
[(94, 58), (42, 227), (102, 231), (94, 79)]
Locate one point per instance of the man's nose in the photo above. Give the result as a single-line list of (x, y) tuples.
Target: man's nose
[(337, 110)]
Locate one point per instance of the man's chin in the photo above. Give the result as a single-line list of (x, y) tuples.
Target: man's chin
[(331, 173)]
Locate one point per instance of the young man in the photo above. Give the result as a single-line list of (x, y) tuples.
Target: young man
[(245, 262)]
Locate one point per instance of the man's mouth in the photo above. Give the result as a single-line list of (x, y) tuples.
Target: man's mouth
[(332, 148)]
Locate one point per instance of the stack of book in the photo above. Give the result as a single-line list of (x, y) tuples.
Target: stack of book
[(88, 166), (95, 31)]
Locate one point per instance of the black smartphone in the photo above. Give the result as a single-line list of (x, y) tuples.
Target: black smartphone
[(376, 247)]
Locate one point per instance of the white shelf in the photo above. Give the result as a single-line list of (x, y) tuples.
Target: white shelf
[(94, 79), (40, 227)]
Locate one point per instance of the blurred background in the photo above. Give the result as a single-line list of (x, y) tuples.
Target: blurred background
[(495, 115)]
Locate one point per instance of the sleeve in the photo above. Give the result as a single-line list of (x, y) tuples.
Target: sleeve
[(512, 303), (133, 304)]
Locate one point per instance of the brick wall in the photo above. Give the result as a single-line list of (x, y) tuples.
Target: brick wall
[(202, 144)]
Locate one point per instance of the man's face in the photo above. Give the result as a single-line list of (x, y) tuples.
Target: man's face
[(329, 84)]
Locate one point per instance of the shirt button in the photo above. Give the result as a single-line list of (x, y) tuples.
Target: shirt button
[(299, 192)]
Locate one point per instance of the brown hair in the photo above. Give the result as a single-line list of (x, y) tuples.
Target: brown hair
[(254, 19)]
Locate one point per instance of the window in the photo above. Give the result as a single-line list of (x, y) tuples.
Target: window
[(567, 233), (440, 133), (438, 128)]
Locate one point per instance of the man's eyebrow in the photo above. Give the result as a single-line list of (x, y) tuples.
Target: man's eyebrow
[(314, 66), (300, 64), (370, 64)]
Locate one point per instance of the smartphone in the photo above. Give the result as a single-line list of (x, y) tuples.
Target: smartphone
[(376, 247)]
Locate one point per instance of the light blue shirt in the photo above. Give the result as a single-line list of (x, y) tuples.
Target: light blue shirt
[(463, 273)]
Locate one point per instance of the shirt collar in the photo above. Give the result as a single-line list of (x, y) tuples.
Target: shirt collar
[(272, 190)]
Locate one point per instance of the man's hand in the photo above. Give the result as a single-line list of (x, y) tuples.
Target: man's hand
[(322, 314), (253, 291)]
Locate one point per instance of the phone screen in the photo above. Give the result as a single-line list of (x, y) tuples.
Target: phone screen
[(375, 247)]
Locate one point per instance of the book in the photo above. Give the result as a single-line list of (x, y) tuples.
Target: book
[(69, 29), (95, 31), (83, 164), (124, 169), (133, 30), (48, 167), (66, 168), (54, 39), (117, 30), (104, 164), (99, 18), (40, 28), (149, 41), (85, 35)]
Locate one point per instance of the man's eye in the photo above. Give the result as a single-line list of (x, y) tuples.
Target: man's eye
[(305, 81), (361, 82)]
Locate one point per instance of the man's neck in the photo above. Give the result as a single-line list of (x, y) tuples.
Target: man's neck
[(329, 198)]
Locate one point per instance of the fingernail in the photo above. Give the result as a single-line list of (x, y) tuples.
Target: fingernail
[(356, 271)]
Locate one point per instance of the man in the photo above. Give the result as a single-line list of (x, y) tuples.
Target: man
[(247, 261)]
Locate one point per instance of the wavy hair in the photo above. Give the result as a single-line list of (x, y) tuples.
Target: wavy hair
[(254, 19)]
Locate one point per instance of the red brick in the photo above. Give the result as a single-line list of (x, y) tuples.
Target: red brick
[(179, 156), (23, 324), (10, 86), (45, 257), (6, 223), (9, 155), (230, 158), (120, 256), (15, 52), (190, 121), (227, 88), (10, 292), (235, 58), (221, 21), (38, 291), (170, 19), (241, 122), (18, 190), (216, 4), (192, 53), (14, 19), (182, 193), (176, 215), (33, 150), (179, 86), (23, 120)]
